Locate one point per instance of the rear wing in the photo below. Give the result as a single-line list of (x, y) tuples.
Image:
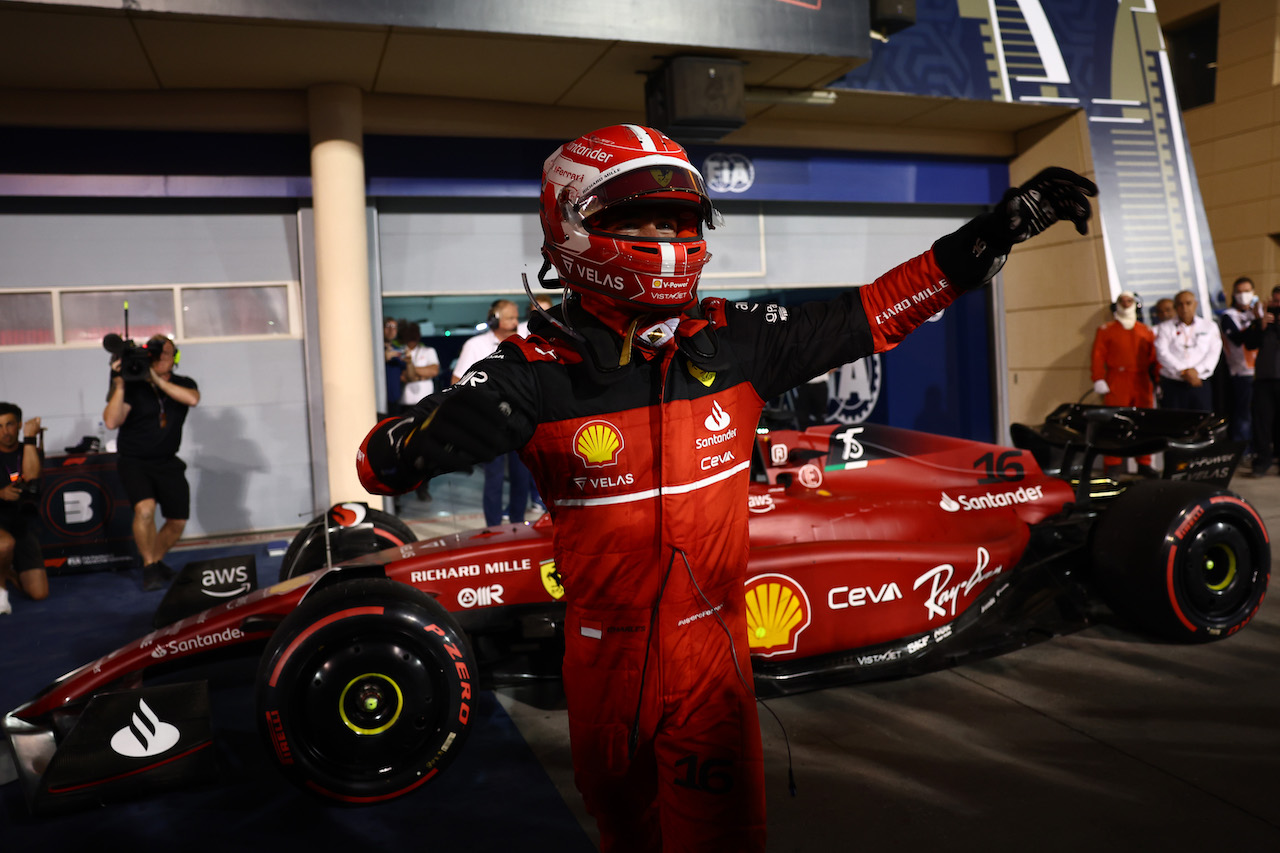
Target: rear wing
[(1194, 444)]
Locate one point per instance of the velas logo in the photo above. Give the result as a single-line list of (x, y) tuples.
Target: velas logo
[(777, 611), (597, 444), (718, 420), (145, 736)]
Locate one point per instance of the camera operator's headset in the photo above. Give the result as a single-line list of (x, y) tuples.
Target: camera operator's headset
[(177, 353)]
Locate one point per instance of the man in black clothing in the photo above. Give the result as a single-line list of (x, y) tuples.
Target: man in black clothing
[(20, 558), (1264, 336), (150, 415)]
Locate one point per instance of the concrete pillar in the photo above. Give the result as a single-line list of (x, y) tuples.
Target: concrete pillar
[(342, 282)]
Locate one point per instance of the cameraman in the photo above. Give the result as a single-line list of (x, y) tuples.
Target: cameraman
[(1265, 337), (19, 547), (149, 412)]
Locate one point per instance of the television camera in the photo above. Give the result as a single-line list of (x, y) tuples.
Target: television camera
[(135, 359)]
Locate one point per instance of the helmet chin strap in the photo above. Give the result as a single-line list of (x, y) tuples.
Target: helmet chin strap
[(599, 341)]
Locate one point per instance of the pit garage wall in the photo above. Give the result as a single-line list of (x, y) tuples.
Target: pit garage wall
[(1107, 58), (249, 462)]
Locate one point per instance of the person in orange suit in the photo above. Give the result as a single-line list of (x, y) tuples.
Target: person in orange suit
[(1124, 359)]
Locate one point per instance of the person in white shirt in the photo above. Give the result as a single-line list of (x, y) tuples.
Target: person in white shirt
[(1188, 348), (1246, 309), (421, 364), (503, 319)]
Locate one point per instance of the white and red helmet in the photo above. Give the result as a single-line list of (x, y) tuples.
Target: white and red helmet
[(624, 164)]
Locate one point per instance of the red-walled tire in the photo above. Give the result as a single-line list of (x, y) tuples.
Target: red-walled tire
[(1183, 560), (364, 692), (354, 530)]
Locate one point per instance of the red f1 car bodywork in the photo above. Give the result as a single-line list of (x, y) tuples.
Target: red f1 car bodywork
[(875, 552)]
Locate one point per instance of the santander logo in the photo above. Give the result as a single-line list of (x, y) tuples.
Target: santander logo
[(991, 500), (718, 420), (145, 736)]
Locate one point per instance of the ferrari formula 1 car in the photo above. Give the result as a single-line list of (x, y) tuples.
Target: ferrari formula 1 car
[(875, 552)]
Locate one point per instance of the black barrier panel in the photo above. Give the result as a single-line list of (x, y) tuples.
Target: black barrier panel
[(86, 522)]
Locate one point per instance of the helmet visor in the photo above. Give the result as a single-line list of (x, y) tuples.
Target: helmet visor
[(654, 183)]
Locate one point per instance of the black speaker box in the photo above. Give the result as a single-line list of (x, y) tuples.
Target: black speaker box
[(696, 98), (889, 16)]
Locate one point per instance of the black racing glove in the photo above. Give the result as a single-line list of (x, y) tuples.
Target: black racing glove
[(444, 433), (976, 252), (1051, 195)]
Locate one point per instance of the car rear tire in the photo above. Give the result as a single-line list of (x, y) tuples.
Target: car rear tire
[(354, 530), (364, 692), (1184, 560)]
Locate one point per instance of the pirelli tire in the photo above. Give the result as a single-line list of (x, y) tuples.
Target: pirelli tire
[(1184, 560), (354, 530), (364, 692)]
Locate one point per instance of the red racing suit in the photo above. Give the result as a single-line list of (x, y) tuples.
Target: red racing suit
[(646, 478), (1126, 358)]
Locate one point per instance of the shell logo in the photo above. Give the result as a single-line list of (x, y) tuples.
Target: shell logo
[(777, 611), (598, 444)]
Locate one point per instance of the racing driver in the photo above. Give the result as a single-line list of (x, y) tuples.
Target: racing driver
[(634, 405)]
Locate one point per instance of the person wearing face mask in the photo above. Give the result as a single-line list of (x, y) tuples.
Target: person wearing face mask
[(1265, 336), (1123, 364), (1245, 310), (634, 403)]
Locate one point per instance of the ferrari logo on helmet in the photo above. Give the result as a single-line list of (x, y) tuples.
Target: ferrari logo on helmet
[(662, 176), (777, 611), (598, 444), (551, 579)]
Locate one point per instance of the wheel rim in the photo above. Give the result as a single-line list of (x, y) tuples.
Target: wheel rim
[(367, 710), (370, 703), (1215, 573)]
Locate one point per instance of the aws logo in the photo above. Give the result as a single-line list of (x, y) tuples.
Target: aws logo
[(777, 611), (597, 444)]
